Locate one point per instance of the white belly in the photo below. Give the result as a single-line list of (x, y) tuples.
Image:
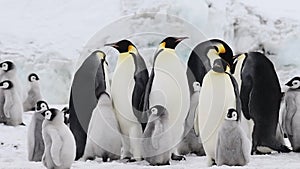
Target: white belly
[(170, 89), (121, 91), (216, 97)]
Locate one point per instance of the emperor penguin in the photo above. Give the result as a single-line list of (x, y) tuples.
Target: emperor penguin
[(155, 137), (132, 74), (12, 108), (103, 137), (191, 142), (34, 93), (291, 113), (168, 86), (219, 92), (233, 146), (84, 97), (60, 147), (35, 143), (260, 95)]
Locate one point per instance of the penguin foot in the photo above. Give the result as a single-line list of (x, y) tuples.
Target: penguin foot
[(177, 157), (129, 159), (161, 164)]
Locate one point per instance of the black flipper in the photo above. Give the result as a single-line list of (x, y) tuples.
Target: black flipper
[(246, 88), (237, 94)]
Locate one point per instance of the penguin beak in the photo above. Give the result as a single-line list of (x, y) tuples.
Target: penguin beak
[(289, 84), (114, 45), (181, 39)]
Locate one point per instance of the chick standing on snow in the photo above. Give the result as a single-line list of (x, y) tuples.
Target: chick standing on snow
[(34, 94), (60, 148)]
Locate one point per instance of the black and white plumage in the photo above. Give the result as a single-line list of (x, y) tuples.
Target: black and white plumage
[(35, 143), (34, 93), (60, 147), (291, 113), (233, 146), (12, 107)]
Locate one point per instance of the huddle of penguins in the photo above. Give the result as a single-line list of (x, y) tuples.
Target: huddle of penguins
[(220, 105)]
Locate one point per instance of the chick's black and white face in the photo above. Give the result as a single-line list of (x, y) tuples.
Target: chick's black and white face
[(41, 106), (196, 86), (6, 66), (232, 115), (6, 84), (296, 84), (48, 115)]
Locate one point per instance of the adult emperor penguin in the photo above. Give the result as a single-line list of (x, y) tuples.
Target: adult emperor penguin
[(84, 97), (291, 113), (191, 143), (233, 145), (128, 89), (168, 86), (260, 95), (12, 108), (156, 139), (103, 137), (35, 143), (34, 93), (219, 92), (60, 147)]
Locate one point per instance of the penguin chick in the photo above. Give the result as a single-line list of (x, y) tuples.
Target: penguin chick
[(34, 93), (233, 146), (35, 141), (156, 139), (291, 113), (12, 107), (66, 112), (60, 148)]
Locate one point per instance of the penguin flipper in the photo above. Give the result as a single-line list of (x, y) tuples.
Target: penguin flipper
[(237, 96), (246, 88), (7, 107), (156, 135), (291, 111), (56, 146)]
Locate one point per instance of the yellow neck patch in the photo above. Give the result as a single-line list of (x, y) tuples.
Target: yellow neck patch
[(221, 48), (162, 45), (101, 55)]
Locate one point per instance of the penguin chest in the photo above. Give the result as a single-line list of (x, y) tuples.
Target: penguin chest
[(216, 97), (122, 88)]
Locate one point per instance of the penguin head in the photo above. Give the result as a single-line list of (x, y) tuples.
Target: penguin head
[(7, 66), (52, 114), (157, 111), (223, 50), (232, 115), (220, 66), (171, 42), (123, 46), (294, 83), (196, 86), (6, 84), (41, 106), (33, 77), (66, 112)]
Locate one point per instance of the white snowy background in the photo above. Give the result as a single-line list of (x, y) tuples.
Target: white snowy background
[(52, 37)]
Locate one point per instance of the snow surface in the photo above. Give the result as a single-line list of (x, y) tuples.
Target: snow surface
[(13, 155)]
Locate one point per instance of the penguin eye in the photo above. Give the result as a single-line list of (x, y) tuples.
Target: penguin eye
[(154, 111), (4, 66), (295, 82)]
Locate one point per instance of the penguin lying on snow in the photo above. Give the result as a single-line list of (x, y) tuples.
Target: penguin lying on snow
[(291, 113), (60, 148), (34, 134), (34, 93), (12, 108), (233, 146), (155, 138)]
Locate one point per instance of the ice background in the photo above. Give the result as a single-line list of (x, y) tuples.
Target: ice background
[(52, 38)]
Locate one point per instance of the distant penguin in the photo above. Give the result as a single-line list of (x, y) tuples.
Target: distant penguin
[(219, 92), (168, 86), (127, 90), (84, 97), (66, 112), (34, 93), (60, 148), (291, 113), (260, 95), (12, 108), (233, 146), (155, 138), (35, 143), (103, 137), (191, 143)]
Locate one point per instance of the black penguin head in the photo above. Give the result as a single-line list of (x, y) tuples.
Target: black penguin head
[(123, 46), (50, 114), (294, 83), (220, 66), (33, 77), (41, 106), (196, 86), (223, 50), (158, 111), (171, 42), (232, 115), (7, 66), (6, 84), (66, 112)]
